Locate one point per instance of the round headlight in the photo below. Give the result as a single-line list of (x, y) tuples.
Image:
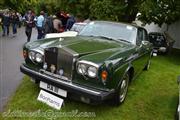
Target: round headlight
[(92, 71), (39, 58), (82, 68), (31, 55)]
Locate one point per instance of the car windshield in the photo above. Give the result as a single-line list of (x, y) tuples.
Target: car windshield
[(114, 31), (78, 27)]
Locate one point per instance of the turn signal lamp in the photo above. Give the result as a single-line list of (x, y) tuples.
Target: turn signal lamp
[(104, 75), (25, 54)]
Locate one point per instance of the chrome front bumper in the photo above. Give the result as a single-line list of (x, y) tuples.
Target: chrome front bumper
[(68, 85)]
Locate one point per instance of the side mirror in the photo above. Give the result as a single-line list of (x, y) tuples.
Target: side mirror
[(144, 42)]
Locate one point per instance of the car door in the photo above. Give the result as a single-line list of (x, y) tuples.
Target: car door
[(141, 51)]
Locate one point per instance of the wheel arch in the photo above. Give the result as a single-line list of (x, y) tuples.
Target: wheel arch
[(130, 71)]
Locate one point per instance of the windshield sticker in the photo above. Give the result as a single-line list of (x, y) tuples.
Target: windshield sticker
[(129, 27)]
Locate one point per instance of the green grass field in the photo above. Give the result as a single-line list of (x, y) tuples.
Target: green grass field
[(152, 96)]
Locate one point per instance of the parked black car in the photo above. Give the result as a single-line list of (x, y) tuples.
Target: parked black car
[(161, 41)]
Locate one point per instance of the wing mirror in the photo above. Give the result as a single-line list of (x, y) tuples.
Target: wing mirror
[(144, 42)]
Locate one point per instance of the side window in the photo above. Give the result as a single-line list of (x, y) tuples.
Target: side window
[(141, 35), (146, 35)]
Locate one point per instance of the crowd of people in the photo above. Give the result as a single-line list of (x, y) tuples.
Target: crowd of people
[(44, 24), (10, 19)]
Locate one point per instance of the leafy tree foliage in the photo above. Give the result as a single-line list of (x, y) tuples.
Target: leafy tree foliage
[(160, 11), (117, 10), (19, 5)]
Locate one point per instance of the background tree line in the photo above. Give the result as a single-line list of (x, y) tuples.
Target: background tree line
[(158, 11)]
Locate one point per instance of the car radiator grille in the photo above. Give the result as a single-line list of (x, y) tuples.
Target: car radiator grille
[(62, 59)]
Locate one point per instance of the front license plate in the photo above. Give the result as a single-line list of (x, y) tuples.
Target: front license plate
[(53, 89)]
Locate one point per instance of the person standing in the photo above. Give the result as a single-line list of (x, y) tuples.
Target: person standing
[(57, 25), (48, 25), (29, 20), (63, 17), (39, 25), (1, 20), (14, 21), (20, 20), (5, 23), (71, 20)]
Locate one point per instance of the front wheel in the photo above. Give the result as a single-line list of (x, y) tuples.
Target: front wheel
[(123, 88)]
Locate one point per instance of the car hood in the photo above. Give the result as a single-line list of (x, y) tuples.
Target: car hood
[(89, 48)]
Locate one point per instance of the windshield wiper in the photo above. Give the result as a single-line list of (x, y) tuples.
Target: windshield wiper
[(123, 40), (108, 38), (113, 39), (104, 37)]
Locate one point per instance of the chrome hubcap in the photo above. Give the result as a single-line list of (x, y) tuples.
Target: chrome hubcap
[(123, 88)]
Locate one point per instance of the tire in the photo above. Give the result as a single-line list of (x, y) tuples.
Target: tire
[(122, 91), (147, 66)]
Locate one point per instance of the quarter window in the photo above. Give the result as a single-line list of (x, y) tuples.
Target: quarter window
[(142, 36)]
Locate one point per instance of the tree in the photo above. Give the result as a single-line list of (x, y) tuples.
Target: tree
[(160, 11), (19, 5), (157, 11), (117, 10)]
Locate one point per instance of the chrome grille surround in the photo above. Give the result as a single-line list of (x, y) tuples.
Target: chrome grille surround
[(63, 59)]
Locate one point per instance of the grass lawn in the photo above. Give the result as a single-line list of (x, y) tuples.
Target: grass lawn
[(152, 96)]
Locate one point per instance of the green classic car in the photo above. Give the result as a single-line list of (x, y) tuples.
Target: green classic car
[(94, 66)]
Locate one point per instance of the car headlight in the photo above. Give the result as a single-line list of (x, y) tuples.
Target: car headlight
[(32, 55), (92, 71), (35, 56), (87, 68), (82, 69), (39, 58)]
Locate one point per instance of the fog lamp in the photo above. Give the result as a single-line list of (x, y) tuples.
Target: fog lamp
[(45, 66)]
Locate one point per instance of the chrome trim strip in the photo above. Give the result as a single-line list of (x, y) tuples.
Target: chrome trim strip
[(75, 54), (53, 75), (38, 50), (88, 63), (58, 81)]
